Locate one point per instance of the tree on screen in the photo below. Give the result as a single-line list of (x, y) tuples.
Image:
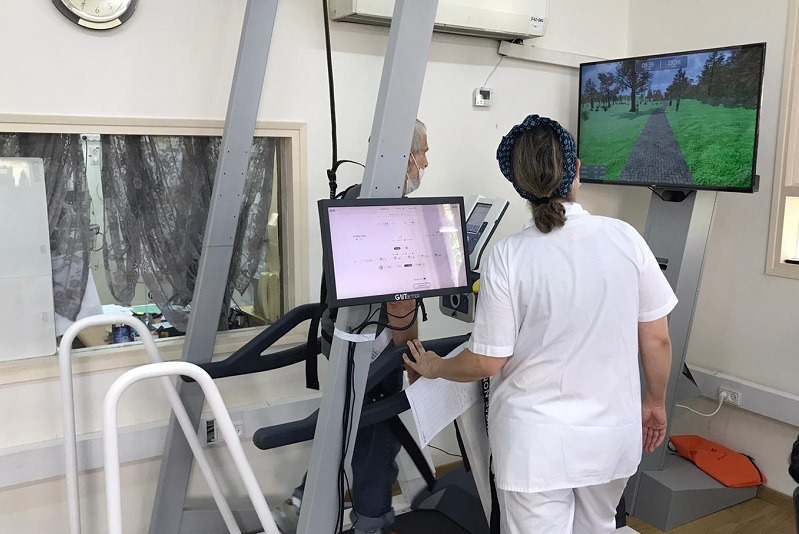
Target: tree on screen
[(731, 80), (627, 77), (590, 93), (607, 90), (712, 80), (745, 69), (678, 87)]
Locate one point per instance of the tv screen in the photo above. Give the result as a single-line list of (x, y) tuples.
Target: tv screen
[(377, 250), (684, 120)]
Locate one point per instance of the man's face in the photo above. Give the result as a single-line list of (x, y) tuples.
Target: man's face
[(419, 160)]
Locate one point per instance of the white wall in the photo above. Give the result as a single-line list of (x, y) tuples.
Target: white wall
[(745, 321), (174, 59)]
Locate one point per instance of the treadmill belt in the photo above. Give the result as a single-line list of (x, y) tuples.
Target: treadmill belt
[(422, 522)]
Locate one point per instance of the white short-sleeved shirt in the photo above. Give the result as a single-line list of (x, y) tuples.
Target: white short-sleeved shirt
[(565, 306)]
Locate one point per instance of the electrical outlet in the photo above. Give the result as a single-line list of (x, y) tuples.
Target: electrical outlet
[(213, 435), (210, 431), (733, 397)]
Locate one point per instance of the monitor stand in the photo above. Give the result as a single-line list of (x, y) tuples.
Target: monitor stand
[(669, 491)]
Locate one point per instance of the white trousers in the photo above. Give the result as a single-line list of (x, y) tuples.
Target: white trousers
[(588, 510)]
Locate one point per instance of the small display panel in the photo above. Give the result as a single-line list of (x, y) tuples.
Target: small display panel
[(393, 249), (476, 224)]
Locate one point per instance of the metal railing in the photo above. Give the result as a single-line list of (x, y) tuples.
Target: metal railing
[(70, 435), (225, 425)]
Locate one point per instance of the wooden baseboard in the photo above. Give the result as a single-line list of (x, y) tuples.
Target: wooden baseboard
[(775, 497)]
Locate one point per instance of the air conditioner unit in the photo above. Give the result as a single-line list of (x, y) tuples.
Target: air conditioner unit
[(503, 20)]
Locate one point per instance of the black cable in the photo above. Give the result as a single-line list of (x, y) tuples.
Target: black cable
[(339, 162), (331, 173), (399, 316), (394, 328), (347, 420), (656, 192), (445, 452)]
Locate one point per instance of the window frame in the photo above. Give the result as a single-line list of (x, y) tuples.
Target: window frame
[(292, 168), (784, 223)]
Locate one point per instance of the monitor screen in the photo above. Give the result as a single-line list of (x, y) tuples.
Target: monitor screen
[(378, 250), (684, 120), (476, 224)]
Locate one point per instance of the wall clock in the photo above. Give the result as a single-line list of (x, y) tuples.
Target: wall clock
[(97, 14)]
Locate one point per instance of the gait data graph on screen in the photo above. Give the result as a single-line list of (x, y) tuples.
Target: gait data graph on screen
[(377, 251)]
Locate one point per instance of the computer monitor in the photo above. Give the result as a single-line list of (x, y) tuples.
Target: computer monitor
[(483, 218), (475, 224), (379, 250), (684, 120)]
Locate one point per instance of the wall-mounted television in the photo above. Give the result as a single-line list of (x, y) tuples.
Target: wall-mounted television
[(686, 120)]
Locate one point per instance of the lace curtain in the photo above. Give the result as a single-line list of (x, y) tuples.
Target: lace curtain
[(157, 192), (68, 209)]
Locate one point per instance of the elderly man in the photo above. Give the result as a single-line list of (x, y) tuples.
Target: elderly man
[(373, 461)]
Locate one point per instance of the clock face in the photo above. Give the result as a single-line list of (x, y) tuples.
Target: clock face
[(97, 14)]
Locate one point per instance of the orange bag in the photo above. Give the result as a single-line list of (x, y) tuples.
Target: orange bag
[(733, 469)]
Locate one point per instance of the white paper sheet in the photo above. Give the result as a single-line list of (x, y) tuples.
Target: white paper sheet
[(436, 403)]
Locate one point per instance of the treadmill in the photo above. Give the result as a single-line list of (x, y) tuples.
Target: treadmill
[(451, 504)]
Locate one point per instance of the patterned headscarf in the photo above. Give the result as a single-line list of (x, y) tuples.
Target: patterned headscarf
[(505, 150)]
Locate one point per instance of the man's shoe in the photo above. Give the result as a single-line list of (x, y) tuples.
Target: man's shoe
[(286, 516)]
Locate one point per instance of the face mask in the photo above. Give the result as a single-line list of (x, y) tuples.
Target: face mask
[(412, 185)]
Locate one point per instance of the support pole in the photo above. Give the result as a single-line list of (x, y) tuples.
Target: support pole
[(220, 233), (386, 163), (677, 233)]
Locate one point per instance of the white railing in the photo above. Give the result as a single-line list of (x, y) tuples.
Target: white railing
[(70, 435), (225, 425)]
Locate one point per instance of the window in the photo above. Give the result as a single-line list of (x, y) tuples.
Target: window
[(132, 198), (784, 230)]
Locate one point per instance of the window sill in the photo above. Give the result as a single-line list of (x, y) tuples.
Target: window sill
[(127, 355), (784, 270)]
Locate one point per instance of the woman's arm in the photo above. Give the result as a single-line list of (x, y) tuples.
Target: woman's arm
[(465, 367)]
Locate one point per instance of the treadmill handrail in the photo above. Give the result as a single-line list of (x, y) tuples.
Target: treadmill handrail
[(250, 358), (274, 436), (391, 357)]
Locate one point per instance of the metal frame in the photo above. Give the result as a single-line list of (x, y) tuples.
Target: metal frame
[(225, 425), (392, 130), (386, 163), (220, 232), (68, 417), (677, 233)]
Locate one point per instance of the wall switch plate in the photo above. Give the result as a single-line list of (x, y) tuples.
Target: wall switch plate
[(481, 97)]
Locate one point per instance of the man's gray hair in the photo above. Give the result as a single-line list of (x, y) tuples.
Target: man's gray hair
[(417, 143)]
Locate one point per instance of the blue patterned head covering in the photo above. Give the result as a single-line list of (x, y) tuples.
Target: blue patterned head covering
[(505, 150)]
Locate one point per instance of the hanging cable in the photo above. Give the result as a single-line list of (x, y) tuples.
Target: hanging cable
[(331, 172), (331, 89), (722, 397), (493, 71)]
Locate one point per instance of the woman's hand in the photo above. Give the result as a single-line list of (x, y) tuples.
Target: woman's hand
[(425, 361), (653, 418)]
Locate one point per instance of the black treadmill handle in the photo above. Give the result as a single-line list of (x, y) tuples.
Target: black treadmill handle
[(257, 364), (250, 359), (391, 358), (274, 436), (271, 437)]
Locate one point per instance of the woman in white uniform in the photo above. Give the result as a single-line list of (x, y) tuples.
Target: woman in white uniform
[(565, 306)]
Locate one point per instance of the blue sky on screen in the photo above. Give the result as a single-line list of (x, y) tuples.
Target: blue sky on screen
[(660, 79)]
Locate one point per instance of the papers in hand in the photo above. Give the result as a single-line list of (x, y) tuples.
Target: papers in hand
[(436, 403)]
